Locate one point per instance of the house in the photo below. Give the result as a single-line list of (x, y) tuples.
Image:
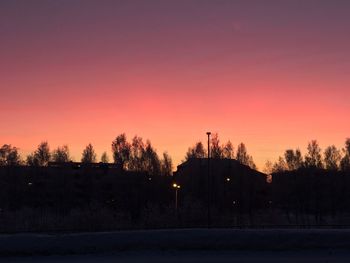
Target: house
[(231, 184)]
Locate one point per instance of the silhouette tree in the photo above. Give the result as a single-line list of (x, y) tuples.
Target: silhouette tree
[(104, 158), (332, 158), (89, 155), (347, 146), (216, 150), (166, 165), (151, 160), (241, 154), (137, 151), (279, 166), (313, 157), (251, 163), (61, 154), (30, 160), (345, 161), (298, 161), (121, 151), (196, 151), (9, 156), (289, 157), (41, 156), (268, 167), (294, 159), (228, 152), (243, 157)]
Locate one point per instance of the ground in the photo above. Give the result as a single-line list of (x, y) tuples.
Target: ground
[(180, 245), (318, 256)]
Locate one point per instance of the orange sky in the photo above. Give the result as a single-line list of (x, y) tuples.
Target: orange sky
[(273, 75)]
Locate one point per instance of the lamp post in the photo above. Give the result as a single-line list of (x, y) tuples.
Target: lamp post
[(208, 180), (176, 187)]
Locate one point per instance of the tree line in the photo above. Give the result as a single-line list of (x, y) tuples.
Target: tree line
[(135, 155), (331, 158)]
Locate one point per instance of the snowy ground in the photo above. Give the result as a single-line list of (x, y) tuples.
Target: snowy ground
[(181, 245)]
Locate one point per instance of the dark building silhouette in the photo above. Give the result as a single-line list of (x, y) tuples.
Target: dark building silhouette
[(233, 186), (102, 196), (77, 165)]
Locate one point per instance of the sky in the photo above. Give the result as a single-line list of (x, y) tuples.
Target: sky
[(271, 74)]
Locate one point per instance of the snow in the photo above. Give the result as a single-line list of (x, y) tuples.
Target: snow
[(180, 240)]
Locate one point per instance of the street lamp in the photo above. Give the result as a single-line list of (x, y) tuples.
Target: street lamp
[(208, 179), (176, 187)]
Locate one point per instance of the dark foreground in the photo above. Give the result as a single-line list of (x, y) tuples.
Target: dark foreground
[(319, 256), (181, 245)]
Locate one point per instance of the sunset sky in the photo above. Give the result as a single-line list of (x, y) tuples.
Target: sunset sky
[(271, 74)]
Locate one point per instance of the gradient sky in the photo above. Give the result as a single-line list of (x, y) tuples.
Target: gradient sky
[(273, 74)]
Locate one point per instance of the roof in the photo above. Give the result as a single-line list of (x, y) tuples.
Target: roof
[(219, 165)]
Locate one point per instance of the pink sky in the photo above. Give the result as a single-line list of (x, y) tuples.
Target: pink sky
[(273, 75)]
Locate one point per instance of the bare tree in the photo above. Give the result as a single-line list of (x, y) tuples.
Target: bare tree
[(228, 152), (332, 158), (216, 150), (41, 156), (30, 160), (268, 167), (243, 157), (61, 154), (241, 154), (166, 165), (313, 157), (89, 155), (279, 166), (293, 158), (196, 151), (137, 150), (345, 161), (347, 146), (298, 160), (121, 151), (151, 160), (251, 163), (9, 156), (104, 158)]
